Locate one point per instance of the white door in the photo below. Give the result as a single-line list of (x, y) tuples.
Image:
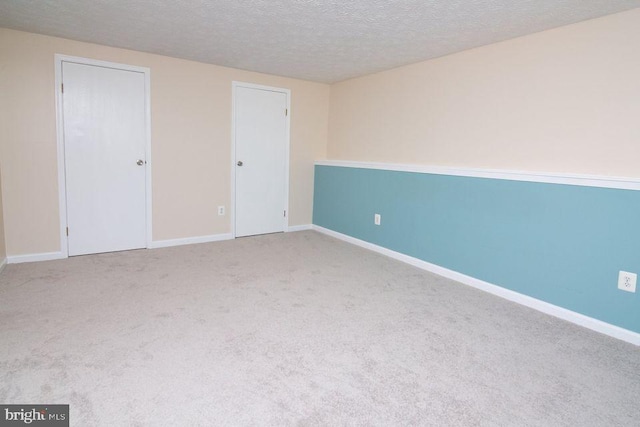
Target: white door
[(105, 167), (261, 160)]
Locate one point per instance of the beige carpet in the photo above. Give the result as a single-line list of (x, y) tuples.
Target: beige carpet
[(295, 329)]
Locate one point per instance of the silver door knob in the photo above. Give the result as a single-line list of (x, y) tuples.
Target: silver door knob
[(240, 163), (140, 162)]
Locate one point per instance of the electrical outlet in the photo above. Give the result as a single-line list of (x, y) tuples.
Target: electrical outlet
[(627, 281), (376, 219), (220, 210)]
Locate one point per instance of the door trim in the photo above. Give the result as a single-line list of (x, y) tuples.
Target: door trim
[(287, 92), (62, 183)]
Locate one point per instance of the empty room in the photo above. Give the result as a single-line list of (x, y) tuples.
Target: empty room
[(320, 213)]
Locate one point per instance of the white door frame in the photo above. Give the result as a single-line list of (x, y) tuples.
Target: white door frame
[(62, 183), (287, 92)]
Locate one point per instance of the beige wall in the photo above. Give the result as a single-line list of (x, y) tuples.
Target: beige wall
[(191, 134), (565, 100)]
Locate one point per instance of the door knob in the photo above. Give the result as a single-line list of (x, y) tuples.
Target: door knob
[(140, 162), (240, 163)]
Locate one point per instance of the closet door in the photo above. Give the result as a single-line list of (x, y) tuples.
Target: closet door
[(104, 114)]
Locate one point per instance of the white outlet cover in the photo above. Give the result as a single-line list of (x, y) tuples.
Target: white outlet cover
[(627, 281), (220, 210), (376, 219)]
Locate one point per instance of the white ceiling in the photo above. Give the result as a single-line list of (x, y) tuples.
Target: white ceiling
[(324, 41)]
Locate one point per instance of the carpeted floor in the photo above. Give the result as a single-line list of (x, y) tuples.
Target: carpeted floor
[(291, 329)]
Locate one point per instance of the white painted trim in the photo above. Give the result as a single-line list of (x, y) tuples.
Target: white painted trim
[(3, 264), (623, 183), (232, 200), (527, 301), (299, 228), (18, 259), (62, 187), (190, 240), (287, 92), (47, 256)]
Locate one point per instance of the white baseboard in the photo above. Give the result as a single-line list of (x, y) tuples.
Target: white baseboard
[(47, 256), (190, 240), (18, 259), (536, 304), (3, 264), (299, 228)]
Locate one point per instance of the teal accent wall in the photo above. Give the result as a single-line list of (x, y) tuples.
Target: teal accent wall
[(562, 244)]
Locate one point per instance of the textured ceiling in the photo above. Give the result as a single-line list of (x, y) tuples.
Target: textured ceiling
[(325, 41)]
